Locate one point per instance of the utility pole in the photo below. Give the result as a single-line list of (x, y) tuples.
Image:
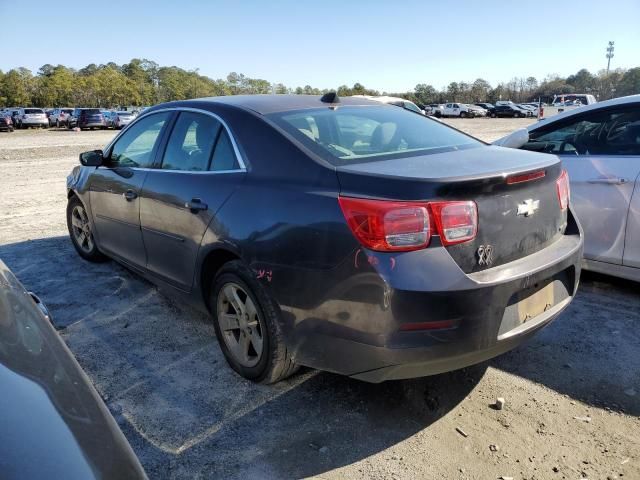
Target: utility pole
[(610, 49)]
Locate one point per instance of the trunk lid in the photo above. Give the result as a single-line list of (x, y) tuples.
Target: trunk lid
[(508, 220)]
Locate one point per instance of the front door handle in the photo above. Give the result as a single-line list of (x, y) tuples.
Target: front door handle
[(196, 205), (130, 195), (608, 180)]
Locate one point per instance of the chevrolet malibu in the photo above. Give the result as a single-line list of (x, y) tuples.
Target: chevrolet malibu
[(339, 234)]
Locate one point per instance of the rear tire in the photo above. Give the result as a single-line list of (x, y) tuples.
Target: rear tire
[(245, 314), (80, 231)]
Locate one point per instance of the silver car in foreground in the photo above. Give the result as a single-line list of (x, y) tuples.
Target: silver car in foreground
[(599, 145)]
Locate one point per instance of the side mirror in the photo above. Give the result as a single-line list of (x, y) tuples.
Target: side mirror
[(513, 140), (92, 158)]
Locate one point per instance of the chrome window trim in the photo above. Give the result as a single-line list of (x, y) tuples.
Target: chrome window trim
[(236, 151)]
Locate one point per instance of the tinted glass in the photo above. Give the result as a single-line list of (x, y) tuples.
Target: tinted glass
[(224, 157), (125, 114), (90, 111), (191, 142), (33, 110), (136, 146), (613, 132), (355, 134)]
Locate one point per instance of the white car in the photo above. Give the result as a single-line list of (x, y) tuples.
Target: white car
[(436, 110), (599, 145), (31, 117), (461, 110)]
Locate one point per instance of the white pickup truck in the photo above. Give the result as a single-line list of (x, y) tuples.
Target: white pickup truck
[(460, 110)]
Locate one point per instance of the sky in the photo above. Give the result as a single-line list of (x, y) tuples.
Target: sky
[(385, 45)]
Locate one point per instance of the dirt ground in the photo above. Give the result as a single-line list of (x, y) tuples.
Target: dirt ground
[(572, 393)]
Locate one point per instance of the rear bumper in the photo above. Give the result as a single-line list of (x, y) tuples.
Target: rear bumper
[(29, 122), (357, 330)]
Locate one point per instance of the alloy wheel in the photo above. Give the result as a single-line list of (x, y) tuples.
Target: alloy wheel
[(240, 325), (81, 228)]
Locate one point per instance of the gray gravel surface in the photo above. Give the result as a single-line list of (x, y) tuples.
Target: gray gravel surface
[(572, 394)]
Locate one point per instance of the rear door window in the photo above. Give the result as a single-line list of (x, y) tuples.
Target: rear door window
[(191, 142), (137, 145)]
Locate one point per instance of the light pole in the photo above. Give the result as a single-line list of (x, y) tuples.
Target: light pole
[(610, 49)]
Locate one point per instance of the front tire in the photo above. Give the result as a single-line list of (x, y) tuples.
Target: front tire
[(247, 324), (80, 231)]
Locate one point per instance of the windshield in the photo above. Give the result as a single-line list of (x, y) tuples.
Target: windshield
[(360, 134), (90, 111), (33, 110)]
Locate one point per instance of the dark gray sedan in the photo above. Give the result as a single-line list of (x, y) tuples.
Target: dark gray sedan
[(340, 234)]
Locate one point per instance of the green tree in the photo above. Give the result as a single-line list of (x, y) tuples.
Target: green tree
[(453, 92), (425, 93), (479, 91), (582, 82), (17, 87), (629, 84)]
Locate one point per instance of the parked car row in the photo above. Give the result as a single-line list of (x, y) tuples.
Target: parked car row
[(23, 118), (64, 117)]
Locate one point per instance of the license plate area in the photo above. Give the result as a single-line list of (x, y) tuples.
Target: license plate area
[(528, 304)]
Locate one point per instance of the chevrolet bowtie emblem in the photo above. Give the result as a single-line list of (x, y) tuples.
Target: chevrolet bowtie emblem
[(528, 207)]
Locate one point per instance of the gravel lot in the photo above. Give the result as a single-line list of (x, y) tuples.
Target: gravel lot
[(572, 393)]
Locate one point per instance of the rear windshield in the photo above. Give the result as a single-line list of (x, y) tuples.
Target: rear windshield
[(125, 114), (67, 110), (90, 111), (33, 110), (347, 135)]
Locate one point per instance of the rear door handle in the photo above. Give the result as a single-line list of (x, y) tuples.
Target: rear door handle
[(130, 195), (196, 205), (608, 180)]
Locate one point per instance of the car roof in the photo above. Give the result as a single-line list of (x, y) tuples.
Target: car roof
[(586, 108), (265, 104)]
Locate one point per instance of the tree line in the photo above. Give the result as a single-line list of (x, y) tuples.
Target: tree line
[(144, 82)]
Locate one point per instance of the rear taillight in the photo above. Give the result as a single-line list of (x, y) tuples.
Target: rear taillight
[(564, 190), (387, 225), (390, 225), (456, 222)]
